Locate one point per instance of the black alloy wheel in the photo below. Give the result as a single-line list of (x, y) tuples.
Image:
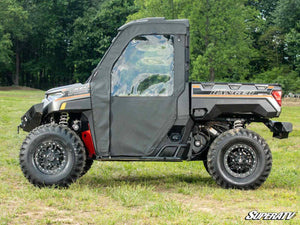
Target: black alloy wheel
[(240, 160), (50, 157)]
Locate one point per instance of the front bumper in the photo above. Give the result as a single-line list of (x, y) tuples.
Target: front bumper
[(280, 129), (32, 118)]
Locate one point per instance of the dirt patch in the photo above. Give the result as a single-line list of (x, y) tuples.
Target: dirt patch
[(39, 212), (209, 204), (21, 88), (291, 102)]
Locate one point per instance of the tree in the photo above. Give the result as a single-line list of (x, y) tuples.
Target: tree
[(292, 47), (45, 62), (93, 33), (279, 45), (170, 9), (220, 43), (5, 47), (5, 55), (271, 44), (221, 48), (13, 30), (287, 16), (265, 7), (50, 43)]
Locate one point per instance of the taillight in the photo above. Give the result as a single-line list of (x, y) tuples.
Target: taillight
[(277, 95)]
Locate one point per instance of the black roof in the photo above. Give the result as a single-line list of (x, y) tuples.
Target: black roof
[(154, 20)]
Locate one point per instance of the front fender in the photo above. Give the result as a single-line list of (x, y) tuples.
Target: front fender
[(68, 105), (33, 117)]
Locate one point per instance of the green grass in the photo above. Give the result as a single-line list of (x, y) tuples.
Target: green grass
[(142, 192)]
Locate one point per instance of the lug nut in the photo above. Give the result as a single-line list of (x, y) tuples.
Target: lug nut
[(75, 127)]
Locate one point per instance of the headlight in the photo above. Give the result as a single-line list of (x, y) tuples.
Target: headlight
[(52, 97)]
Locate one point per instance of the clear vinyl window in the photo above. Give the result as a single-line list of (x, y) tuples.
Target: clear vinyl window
[(145, 68)]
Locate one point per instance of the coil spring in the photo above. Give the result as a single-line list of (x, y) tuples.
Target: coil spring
[(64, 117), (238, 124)]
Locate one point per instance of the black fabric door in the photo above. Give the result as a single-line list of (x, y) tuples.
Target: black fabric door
[(143, 105)]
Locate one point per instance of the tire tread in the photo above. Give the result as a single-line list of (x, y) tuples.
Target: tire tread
[(212, 154), (78, 147)]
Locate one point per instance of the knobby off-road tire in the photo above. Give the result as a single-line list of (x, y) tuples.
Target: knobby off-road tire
[(88, 164), (52, 155), (205, 166), (239, 158)]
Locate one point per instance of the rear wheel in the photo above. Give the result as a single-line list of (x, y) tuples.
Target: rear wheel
[(239, 158), (52, 155)]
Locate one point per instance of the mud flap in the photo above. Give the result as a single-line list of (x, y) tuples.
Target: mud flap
[(280, 130)]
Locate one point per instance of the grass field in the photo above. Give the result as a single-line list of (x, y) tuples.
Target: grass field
[(139, 192)]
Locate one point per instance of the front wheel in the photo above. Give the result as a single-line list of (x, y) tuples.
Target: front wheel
[(239, 158), (88, 164), (52, 155)]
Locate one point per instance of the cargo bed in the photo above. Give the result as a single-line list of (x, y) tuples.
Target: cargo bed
[(212, 100)]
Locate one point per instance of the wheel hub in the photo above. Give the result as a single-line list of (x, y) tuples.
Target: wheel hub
[(240, 160), (50, 157)]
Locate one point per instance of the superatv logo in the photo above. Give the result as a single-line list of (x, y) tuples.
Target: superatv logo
[(254, 215)]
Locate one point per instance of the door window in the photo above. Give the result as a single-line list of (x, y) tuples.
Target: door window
[(145, 68)]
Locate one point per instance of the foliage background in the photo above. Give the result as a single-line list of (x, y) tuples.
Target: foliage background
[(49, 43)]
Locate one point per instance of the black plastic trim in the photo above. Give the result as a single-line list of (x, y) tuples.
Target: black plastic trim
[(280, 130)]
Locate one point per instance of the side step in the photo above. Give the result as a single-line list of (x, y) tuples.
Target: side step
[(150, 159)]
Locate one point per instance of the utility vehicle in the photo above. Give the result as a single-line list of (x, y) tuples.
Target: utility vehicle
[(138, 105)]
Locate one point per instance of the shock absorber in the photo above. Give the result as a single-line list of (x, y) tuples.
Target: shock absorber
[(64, 117), (238, 124)]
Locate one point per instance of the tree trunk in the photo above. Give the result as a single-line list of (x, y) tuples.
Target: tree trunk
[(16, 80), (206, 32), (207, 41), (172, 7), (212, 73)]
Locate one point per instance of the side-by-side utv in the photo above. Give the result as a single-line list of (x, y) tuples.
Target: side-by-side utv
[(138, 105)]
